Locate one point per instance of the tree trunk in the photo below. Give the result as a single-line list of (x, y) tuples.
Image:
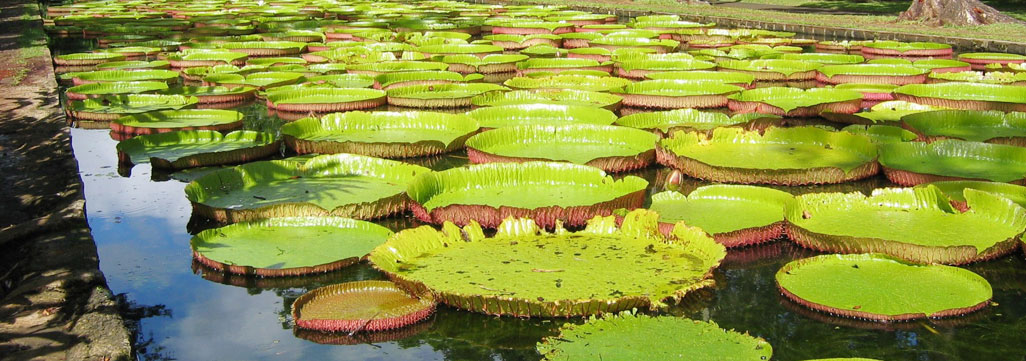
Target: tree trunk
[(954, 12)]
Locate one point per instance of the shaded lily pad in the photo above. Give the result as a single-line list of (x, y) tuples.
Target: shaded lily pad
[(359, 306), (380, 134), (197, 148), (610, 148), (547, 192), (882, 288), (916, 224), (524, 271), (735, 215), (629, 336), (215, 94), (882, 133), (105, 109), (791, 156)]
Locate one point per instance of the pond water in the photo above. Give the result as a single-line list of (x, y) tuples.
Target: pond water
[(142, 225)]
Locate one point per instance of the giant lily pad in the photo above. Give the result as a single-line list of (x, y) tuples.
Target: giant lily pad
[(261, 80), (882, 133), (732, 78), (325, 100), (630, 336), (549, 96), (197, 148), (794, 102), (955, 191), (773, 69), (547, 192), (667, 122), (971, 96), (215, 94), (643, 67), (610, 148), (916, 224), (359, 306), (389, 80), (344, 185), (106, 76), (206, 58), (380, 134), (978, 126), (489, 64), (672, 94), (913, 163), (791, 156), (882, 288), (162, 121), (75, 59), (378, 68), (993, 77), (287, 246), (871, 74), (735, 215), (95, 90), (878, 49), (888, 112), (540, 114), (575, 82), (557, 65), (454, 95), (525, 271)]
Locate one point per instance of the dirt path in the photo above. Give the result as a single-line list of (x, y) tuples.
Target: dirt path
[(54, 303)]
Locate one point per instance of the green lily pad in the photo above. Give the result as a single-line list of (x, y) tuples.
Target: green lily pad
[(287, 246), (977, 126), (262, 80), (889, 112), (800, 155), (822, 58), (669, 121), (214, 94), (965, 96), (955, 190), (346, 185), (388, 80), (916, 162), (524, 271), (916, 224), (112, 107), (324, 100), (93, 90), (375, 68), (882, 288), (773, 69), (575, 82), (87, 58), (740, 79), (796, 102), (133, 64), (452, 95), (549, 96), (343, 80), (611, 148), (380, 134), (882, 133), (756, 214), (629, 336), (548, 192), (170, 120), (197, 148), (540, 114)]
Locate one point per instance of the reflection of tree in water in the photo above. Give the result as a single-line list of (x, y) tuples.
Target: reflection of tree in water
[(143, 346)]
